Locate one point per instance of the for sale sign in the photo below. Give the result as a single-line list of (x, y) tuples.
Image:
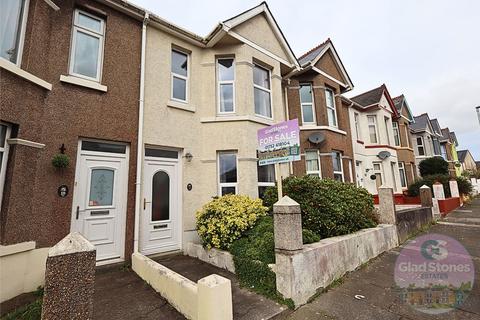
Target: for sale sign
[(279, 143)]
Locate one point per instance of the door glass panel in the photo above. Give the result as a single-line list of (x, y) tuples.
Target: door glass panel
[(160, 196), (103, 147), (101, 187)]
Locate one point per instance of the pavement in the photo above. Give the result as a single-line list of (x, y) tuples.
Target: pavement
[(373, 283)]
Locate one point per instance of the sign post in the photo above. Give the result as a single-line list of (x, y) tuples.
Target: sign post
[(277, 144)]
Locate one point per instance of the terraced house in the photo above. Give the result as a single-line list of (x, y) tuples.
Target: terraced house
[(314, 98), (425, 136), (376, 161), (70, 77), (205, 99)]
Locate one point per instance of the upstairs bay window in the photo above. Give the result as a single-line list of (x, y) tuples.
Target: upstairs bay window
[(227, 173), (13, 15), (226, 85), (420, 146), (306, 102), (356, 118), (403, 177), (372, 128), (86, 55), (387, 129), (179, 76), (396, 134), (262, 92), (331, 110), (337, 166), (312, 163), (266, 178)]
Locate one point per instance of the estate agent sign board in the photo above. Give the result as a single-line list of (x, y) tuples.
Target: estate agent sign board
[(279, 143)]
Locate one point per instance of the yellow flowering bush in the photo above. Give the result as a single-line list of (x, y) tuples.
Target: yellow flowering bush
[(225, 219)]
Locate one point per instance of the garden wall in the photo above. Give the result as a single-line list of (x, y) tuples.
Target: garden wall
[(216, 257), (410, 221), (302, 272), (447, 205)]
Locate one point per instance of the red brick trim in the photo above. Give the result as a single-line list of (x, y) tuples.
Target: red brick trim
[(360, 141)]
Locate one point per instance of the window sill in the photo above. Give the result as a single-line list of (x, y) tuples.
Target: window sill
[(83, 83), (13, 68), (232, 118), (180, 105), (333, 129)]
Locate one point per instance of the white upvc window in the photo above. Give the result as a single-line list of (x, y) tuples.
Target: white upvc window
[(312, 163), (372, 128), (378, 172), (420, 146), (262, 91), (4, 135), (403, 176), (443, 148), (393, 167), (13, 20), (331, 109), (226, 85), (86, 53), (387, 129), (396, 134), (356, 118), (266, 178), (307, 104), (227, 173), (337, 166), (179, 76)]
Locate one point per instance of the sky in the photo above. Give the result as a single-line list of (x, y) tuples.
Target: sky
[(428, 50)]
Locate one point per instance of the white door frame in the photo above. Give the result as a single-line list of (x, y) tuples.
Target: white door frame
[(179, 228), (75, 198)]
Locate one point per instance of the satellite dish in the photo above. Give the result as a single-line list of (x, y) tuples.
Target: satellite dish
[(384, 155), (316, 138)]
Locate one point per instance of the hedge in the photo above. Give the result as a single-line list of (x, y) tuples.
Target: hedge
[(464, 185)]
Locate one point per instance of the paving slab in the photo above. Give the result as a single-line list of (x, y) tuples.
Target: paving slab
[(247, 305), (120, 294)]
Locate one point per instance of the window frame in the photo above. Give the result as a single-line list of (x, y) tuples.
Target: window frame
[(334, 107), (394, 168), (379, 171), (179, 76), (420, 146), (375, 124), (335, 152), (386, 120), (356, 120), (312, 104), (101, 36), (221, 82), (263, 183), (269, 91), (3, 170), (403, 177), (396, 134), (226, 184), (443, 148), (319, 171), (21, 36)]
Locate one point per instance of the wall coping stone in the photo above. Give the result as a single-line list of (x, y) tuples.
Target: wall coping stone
[(72, 243)]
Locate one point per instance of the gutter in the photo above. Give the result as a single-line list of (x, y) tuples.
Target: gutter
[(141, 104)]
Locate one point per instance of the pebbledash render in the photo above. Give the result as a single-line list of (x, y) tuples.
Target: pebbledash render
[(69, 79), (314, 97)]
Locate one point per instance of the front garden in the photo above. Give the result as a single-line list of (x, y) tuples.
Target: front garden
[(244, 226)]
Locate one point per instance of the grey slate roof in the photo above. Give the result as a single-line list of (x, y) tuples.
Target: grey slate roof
[(445, 134), (398, 101), (461, 155), (421, 122), (312, 53), (436, 126), (370, 97), (453, 137)]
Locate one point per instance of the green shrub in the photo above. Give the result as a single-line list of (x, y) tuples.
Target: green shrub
[(225, 219), (464, 185), (433, 166), (329, 208), (60, 160), (309, 236)]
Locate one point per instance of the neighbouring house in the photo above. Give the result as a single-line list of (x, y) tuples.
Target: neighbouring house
[(403, 142), (314, 97), (205, 99), (449, 153), (375, 153), (425, 138), (478, 165), (467, 161), (458, 165), (70, 79)]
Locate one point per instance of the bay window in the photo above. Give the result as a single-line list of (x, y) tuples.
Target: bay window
[(396, 134), (356, 118), (312, 163), (262, 91), (420, 146), (331, 110), (266, 178), (227, 173), (337, 166), (226, 85), (86, 55), (403, 177), (179, 76), (13, 15), (306, 103), (372, 128)]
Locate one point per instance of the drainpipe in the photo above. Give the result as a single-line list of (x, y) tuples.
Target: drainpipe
[(138, 182)]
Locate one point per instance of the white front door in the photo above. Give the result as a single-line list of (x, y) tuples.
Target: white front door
[(160, 219), (100, 197)]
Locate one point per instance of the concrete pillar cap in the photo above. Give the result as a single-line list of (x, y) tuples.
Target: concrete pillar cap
[(424, 187), (286, 205), (74, 242)]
